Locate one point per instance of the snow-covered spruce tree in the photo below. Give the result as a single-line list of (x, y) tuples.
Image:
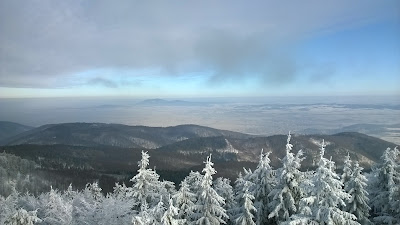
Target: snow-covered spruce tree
[(193, 181), (263, 179), (241, 184), (114, 209), (224, 189), (287, 193), (22, 217), (385, 189), (209, 206), (347, 172), (170, 216), (8, 205), (157, 212), (93, 191), (144, 217), (145, 185), (121, 191), (85, 205), (185, 200), (358, 203), (326, 196), (56, 210), (246, 210)]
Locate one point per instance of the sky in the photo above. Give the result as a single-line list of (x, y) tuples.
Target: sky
[(51, 48)]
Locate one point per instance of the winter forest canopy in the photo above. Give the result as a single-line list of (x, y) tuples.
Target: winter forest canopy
[(266, 195)]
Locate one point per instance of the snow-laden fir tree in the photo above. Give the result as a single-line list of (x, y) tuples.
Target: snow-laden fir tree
[(287, 193), (115, 208), (85, 204), (185, 200), (242, 183), (358, 203), (22, 217), (157, 212), (150, 216), (144, 217), (346, 176), (193, 181), (170, 216), (385, 189), (347, 170), (326, 196), (57, 211), (224, 189), (166, 189), (8, 205), (145, 185), (209, 206), (263, 180), (246, 210)]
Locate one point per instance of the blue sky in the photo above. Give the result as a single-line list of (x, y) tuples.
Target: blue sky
[(199, 49)]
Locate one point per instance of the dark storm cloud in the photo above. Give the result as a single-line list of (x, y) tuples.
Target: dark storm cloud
[(42, 43)]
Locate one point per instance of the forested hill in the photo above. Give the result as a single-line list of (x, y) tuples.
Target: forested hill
[(118, 135), (10, 129), (186, 145)]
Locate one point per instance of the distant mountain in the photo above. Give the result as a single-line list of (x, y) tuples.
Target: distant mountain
[(384, 131), (10, 129), (100, 134), (162, 102)]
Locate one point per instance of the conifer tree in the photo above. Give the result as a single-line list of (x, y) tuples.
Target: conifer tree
[(246, 210), (144, 217), (193, 181), (157, 212), (347, 171), (358, 203), (8, 205), (145, 184), (386, 189), (185, 200), (346, 177), (85, 204), (263, 180), (224, 189), (287, 193), (326, 196), (22, 217), (171, 214), (57, 211), (210, 205)]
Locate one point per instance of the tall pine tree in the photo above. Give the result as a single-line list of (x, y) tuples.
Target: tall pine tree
[(385, 189), (287, 193), (263, 180), (325, 198), (145, 185), (210, 205), (358, 202), (247, 211)]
